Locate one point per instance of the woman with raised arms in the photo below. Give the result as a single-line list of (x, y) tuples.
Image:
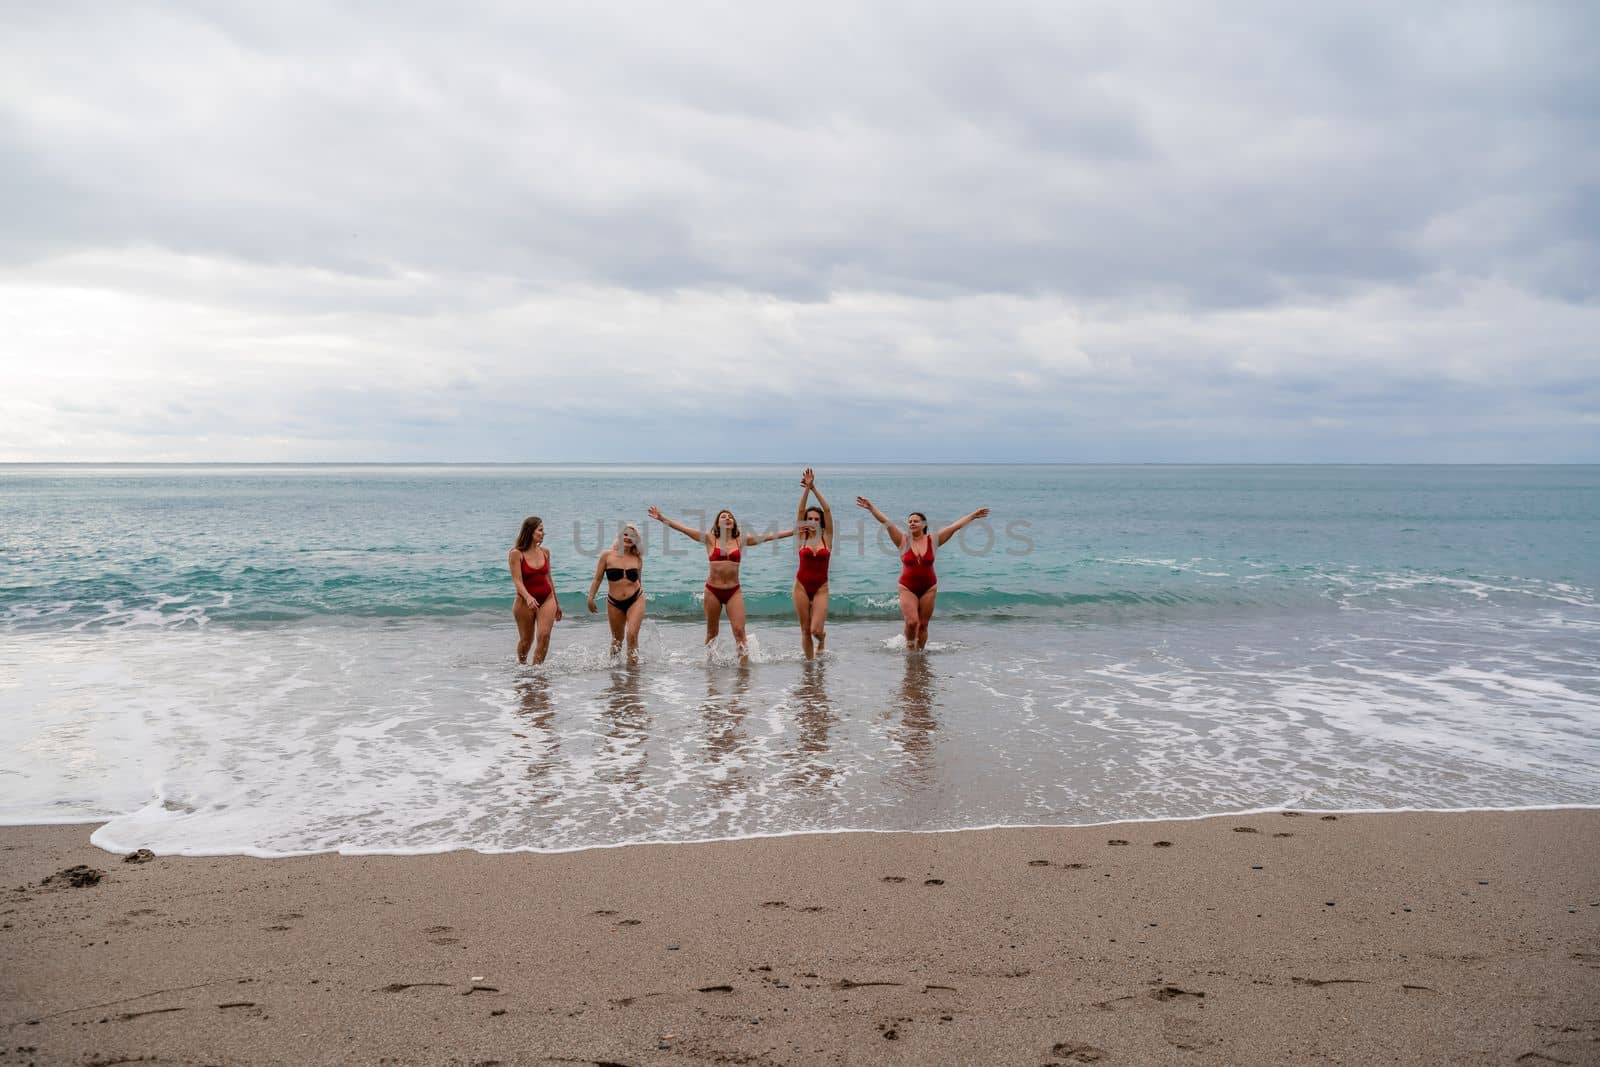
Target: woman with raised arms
[(622, 566), (919, 586), (813, 549), (724, 544), (536, 608)]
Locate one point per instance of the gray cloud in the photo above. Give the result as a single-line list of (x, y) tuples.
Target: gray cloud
[(1057, 231)]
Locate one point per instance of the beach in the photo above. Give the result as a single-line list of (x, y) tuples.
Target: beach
[(1220, 765), (1276, 937)]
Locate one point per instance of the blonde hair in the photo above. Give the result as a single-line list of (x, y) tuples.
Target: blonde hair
[(628, 529)]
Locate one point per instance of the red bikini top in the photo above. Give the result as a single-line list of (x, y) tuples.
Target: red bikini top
[(717, 555), (534, 570)]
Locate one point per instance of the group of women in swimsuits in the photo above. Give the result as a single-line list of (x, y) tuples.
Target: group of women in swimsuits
[(622, 567)]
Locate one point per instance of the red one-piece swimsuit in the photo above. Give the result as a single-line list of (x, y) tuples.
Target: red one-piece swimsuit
[(917, 573)]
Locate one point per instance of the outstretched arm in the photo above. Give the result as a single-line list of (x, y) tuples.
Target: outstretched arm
[(690, 532), (894, 531), (762, 538), (955, 527)]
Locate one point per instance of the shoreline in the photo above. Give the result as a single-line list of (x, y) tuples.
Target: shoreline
[(95, 825), (1412, 937)]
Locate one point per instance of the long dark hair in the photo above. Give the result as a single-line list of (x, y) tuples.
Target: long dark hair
[(525, 535), (716, 526)]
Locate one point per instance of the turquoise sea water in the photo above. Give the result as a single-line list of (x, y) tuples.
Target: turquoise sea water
[(278, 659)]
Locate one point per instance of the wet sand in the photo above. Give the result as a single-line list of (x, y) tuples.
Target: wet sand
[(1277, 938)]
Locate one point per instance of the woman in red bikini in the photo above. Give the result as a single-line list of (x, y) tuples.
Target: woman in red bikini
[(814, 534), (536, 608), (919, 586), (724, 547), (622, 566)]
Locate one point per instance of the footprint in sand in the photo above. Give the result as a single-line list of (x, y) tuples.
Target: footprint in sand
[(1245, 830), (1283, 833), (438, 929), (1116, 841), (1038, 863), (1172, 992), (79, 877), (1330, 818), (1076, 1053), (934, 881), (893, 879), (1161, 844), (603, 911), (125, 1016)]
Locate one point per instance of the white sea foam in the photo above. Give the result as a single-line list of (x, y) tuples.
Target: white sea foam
[(424, 735)]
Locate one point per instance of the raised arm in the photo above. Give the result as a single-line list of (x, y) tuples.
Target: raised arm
[(894, 531), (955, 527), (697, 535), (805, 491), (827, 512)]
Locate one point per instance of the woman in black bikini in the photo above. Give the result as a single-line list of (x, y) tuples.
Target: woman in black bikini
[(724, 544), (622, 566)]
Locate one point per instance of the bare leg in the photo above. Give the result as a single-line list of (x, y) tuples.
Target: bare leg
[(736, 620), (617, 620), (908, 612), (802, 611), (635, 620), (546, 618), (925, 615), (713, 615), (524, 616), (819, 619)]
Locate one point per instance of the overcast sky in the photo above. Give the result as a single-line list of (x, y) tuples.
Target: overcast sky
[(877, 232)]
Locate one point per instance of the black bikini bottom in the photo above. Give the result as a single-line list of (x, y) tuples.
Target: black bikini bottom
[(623, 605)]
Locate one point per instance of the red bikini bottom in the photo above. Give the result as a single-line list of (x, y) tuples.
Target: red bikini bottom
[(722, 595)]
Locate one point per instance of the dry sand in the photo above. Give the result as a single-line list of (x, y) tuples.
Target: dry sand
[(1411, 938)]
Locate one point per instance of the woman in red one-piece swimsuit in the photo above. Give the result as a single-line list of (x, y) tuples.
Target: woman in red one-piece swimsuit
[(536, 608), (814, 548), (724, 544), (919, 586)]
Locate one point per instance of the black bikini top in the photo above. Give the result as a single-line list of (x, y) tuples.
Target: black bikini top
[(616, 574)]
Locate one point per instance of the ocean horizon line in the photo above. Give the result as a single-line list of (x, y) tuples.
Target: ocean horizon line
[(752, 465)]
